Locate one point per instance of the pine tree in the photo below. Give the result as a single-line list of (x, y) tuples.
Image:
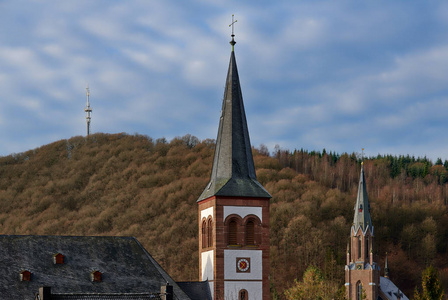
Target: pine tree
[(313, 287), (431, 286)]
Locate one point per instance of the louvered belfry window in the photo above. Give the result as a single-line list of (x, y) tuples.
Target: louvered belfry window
[(210, 233), (204, 235), (359, 247), (250, 233), (232, 233)]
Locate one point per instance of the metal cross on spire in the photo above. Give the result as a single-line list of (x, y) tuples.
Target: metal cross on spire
[(232, 42), (233, 22)]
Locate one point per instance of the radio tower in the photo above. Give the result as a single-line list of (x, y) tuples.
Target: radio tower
[(88, 110)]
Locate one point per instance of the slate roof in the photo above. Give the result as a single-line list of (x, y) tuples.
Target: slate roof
[(233, 172), (125, 265), (390, 290), (362, 207), (198, 290), (134, 296)]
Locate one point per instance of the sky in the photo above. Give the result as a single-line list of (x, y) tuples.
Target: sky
[(339, 75)]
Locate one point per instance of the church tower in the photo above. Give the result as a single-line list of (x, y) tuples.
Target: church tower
[(361, 272), (234, 208)]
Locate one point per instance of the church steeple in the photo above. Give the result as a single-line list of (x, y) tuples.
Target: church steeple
[(234, 208), (233, 172), (362, 272), (362, 207)]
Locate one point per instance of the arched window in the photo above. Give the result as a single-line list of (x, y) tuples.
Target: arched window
[(359, 291), (233, 233), (243, 295), (209, 233), (359, 247), (204, 235), (250, 233), (367, 247)]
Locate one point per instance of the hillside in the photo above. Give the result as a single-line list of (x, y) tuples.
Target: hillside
[(131, 185)]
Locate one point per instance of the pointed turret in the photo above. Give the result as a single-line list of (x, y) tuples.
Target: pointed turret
[(362, 208), (386, 269), (233, 172)]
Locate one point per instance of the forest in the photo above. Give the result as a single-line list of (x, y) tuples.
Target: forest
[(133, 185)]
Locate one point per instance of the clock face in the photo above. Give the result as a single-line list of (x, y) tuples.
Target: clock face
[(243, 264), (359, 267)]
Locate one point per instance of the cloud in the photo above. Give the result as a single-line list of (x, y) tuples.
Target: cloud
[(314, 74)]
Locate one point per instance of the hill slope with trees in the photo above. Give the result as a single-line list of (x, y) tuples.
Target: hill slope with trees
[(132, 185)]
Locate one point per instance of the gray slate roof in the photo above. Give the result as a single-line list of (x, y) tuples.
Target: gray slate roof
[(233, 172), (125, 265), (196, 290), (362, 207), (390, 290), (133, 296)]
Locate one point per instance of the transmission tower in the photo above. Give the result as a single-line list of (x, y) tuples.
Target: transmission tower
[(88, 110)]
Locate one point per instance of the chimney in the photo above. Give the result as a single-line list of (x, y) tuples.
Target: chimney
[(45, 293), (96, 276), (166, 292), (25, 275), (58, 259)]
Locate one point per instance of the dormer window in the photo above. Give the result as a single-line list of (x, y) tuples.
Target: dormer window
[(96, 276), (58, 259), (25, 275), (360, 208)]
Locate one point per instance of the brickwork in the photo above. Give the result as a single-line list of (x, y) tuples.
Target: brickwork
[(220, 238), (361, 269)]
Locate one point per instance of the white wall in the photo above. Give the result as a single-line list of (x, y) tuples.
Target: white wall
[(256, 264), (243, 211), (207, 265), (207, 212), (254, 289)]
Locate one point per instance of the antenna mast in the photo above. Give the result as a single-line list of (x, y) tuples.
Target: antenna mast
[(88, 110)]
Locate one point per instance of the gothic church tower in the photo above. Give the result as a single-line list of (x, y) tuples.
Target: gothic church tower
[(234, 208), (361, 272)]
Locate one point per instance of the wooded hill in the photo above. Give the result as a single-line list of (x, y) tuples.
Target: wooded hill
[(132, 185)]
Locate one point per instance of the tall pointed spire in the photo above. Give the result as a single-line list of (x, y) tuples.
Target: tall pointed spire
[(233, 172), (362, 207)]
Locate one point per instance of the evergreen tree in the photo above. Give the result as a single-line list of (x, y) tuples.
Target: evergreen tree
[(431, 286), (312, 287)]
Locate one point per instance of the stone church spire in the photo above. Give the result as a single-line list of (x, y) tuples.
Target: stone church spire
[(362, 272), (233, 172), (362, 207)]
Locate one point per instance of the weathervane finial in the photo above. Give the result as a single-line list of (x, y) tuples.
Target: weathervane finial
[(232, 42), (362, 156)]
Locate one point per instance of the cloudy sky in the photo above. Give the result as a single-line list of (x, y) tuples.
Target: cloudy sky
[(339, 75)]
